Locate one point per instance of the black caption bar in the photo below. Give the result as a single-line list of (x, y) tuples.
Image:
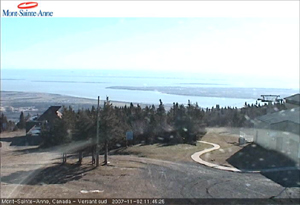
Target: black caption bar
[(146, 201)]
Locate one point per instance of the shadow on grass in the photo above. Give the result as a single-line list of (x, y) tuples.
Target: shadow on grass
[(166, 144), (57, 174), (123, 151), (255, 157), (29, 150), (286, 178)]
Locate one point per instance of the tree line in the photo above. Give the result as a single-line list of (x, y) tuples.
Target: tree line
[(9, 125), (151, 124)]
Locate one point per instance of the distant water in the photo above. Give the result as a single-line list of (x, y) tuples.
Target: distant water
[(91, 83)]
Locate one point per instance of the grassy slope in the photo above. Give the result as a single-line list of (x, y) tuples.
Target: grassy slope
[(178, 153)]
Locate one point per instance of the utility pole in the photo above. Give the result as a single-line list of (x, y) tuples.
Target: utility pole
[(97, 137), (106, 140)]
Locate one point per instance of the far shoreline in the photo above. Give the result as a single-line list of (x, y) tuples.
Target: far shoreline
[(61, 98), (15, 102)]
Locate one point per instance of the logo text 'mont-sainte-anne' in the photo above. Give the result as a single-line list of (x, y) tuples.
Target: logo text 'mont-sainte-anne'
[(24, 10)]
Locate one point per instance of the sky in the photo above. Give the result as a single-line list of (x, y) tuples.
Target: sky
[(265, 46)]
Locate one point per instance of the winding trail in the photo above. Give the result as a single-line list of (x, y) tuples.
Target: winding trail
[(196, 157)]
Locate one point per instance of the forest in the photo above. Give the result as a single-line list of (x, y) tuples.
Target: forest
[(150, 124), (179, 124)]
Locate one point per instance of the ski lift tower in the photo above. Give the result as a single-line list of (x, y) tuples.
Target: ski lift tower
[(270, 98)]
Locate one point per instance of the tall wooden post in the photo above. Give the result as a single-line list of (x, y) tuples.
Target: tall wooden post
[(97, 137), (106, 152), (106, 140), (80, 156)]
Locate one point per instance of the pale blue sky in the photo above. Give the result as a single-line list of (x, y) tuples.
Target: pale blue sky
[(265, 46)]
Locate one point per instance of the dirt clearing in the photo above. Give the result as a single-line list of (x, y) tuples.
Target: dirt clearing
[(27, 172)]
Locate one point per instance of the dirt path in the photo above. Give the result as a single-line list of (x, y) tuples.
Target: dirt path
[(29, 172), (228, 141), (20, 164), (197, 158)]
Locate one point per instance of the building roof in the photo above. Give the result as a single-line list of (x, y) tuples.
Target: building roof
[(292, 115), (293, 99), (50, 114)]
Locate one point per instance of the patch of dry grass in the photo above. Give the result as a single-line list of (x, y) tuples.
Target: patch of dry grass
[(177, 153), (182, 152)]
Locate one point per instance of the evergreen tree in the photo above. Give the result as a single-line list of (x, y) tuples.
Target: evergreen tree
[(55, 134), (160, 116), (85, 125), (3, 123), (22, 122), (110, 131)]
